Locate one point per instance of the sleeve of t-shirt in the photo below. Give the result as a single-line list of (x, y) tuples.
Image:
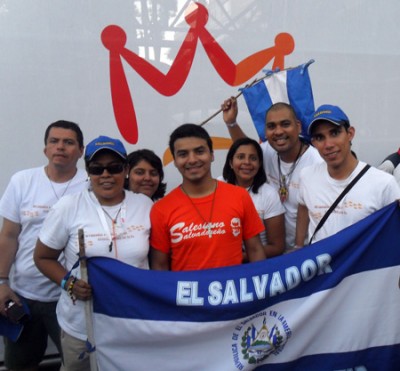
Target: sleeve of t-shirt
[(159, 235), (300, 194), (54, 232), (386, 166), (252, 224), (391, 193), (272, 205)]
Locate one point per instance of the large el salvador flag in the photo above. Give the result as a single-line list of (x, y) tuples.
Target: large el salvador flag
[(332, 306), (291, 86)]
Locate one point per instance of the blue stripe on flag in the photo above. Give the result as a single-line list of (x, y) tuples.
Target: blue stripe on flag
[(378, 358), (258, 100), (342, 314), (124, 291), (299, 92), (301, 96)]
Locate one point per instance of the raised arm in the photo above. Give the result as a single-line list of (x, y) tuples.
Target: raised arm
[(229, 115)]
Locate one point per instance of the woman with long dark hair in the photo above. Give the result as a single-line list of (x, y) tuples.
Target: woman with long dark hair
[(244, 168), (146, 174)]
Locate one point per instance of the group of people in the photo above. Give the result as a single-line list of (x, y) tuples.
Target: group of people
[(270, 200)]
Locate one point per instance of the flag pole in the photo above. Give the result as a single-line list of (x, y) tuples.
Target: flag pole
[(88, 303), (236, 96), (255, 81)]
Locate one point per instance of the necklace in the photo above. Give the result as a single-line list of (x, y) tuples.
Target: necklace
[(52, 186), (284, 179), (207, 224), (113, 224)]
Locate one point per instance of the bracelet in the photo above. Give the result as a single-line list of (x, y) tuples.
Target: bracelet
[(63, 282), (4, 280), (232, 125), (69, 289)]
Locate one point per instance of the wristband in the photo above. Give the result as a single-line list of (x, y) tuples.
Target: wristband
[(4, 281), (70, 290), (63, 282), (232, 125)]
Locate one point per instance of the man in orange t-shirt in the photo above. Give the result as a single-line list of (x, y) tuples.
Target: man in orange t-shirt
[(202, 223)]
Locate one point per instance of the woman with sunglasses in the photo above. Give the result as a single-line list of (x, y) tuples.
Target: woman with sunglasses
[(146, 174), (116, 224), (244, 167)]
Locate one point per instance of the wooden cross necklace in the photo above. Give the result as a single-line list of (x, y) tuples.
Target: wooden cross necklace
[(284, 179)]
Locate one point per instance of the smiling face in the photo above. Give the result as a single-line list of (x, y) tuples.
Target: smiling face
[(62, 148), (245, 164), (282, 131), (144, 178), (333, 144), (107, 173), (193, 158)]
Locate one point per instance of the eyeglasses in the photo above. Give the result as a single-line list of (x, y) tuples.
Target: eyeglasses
[(111, 169)]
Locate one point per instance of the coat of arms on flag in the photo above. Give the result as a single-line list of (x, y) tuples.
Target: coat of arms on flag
[(332, 306)]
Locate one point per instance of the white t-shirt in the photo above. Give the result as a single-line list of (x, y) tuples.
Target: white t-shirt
[(309, 157), (26, 201), (129, 237), (392, 165), (318, 191), (267, 204)]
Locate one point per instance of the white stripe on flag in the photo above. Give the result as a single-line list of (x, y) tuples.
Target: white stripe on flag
[(276, 87), (337, 320)]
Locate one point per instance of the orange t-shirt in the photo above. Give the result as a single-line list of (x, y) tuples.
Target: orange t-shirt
[(180, 227)]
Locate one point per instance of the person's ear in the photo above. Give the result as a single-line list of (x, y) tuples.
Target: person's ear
[(351, 131)]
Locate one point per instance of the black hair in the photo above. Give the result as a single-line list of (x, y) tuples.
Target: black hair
[(280, 105), (229, 175), (149, 156), (65, 125), (186, 131)]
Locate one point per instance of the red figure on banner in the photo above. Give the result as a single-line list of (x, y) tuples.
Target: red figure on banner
[(114, 39)]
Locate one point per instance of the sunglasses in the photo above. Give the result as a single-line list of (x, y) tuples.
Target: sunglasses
[(111, 169)]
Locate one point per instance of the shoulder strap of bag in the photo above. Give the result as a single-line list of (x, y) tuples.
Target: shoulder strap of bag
[(333, 206)]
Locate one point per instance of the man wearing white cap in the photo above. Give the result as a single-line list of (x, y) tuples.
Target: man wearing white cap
[(321, 184)]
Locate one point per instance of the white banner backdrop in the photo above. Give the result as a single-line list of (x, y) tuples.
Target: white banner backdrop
[(55, 66)]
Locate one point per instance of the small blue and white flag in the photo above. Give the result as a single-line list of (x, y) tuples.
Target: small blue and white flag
[(291, 86), (332, 306)]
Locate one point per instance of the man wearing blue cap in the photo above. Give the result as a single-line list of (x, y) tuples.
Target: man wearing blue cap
[(321, 184)]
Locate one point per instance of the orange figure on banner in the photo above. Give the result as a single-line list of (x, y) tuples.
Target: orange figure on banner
[(114, 39)]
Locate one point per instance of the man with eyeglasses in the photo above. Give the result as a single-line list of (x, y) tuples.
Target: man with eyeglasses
[(116, 224), (321, 184), (23, 206)]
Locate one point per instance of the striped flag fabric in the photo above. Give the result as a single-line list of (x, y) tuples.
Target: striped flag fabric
[(332, 306), (291, 86)]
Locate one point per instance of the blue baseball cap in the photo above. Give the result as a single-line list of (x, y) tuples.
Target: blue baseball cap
[(332, 114), (103, 142)]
